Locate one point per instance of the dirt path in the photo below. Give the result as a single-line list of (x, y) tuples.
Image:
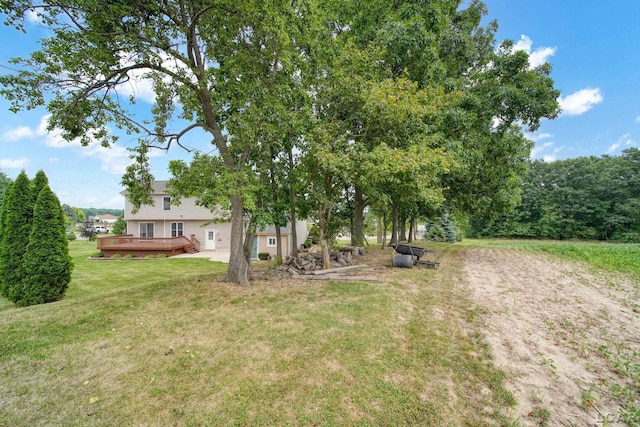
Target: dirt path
[(569, 337)]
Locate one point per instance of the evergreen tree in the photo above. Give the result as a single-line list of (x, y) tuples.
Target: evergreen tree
[(4, 209), (4, 183), (449, 228), (37, 184), (15, 236), (47, 262), (120, 226)]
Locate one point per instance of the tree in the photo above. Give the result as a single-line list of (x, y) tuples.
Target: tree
[(47, 265), (442, 48), (70, 212), (4, 211), (581, 198), (18, 214), (37, 184), (80, 215), (4, 182), (120, 226), (205, 61)]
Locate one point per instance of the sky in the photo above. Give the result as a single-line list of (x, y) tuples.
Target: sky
[(593, 47)]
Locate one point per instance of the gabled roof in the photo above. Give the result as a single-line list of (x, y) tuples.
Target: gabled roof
[(158, 187), (271, 230), (106, 216)]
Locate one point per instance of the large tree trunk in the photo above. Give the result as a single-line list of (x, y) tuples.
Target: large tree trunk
[(292, 191), (411, 230), (278, 244), (402, 224), (357, 229), (394, 223), (324, 215), (293, 250), (384, 229), (238, 270)]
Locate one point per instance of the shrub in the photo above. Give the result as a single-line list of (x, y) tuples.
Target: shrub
[(263, 256), (47, 263), (434, 233), (16, 227), (116, 256)]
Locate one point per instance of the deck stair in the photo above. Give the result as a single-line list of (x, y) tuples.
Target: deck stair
[(191, 249)]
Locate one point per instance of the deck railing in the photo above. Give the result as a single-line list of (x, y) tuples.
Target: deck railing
[(129, 242), (195, 242)]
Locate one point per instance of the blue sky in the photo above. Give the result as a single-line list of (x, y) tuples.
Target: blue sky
[(593, 47)]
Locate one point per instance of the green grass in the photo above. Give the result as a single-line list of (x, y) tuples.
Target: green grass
[(624, 258), (164, 342)]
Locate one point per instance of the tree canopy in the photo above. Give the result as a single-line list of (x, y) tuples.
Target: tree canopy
[(581, 198), (308, 105)]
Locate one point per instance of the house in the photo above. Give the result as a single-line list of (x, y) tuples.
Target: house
[(163, 227), (266, 239), (106, 219)]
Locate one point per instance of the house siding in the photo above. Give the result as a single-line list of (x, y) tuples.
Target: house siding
[(196, 220), (273, 251)]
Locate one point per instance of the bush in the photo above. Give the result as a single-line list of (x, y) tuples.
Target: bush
[(154, 256), (263, 256), (435, 233), (47, 263), (71, 236), (116, 256)]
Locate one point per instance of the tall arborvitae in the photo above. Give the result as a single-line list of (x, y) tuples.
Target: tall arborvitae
[(4, 208), (47, 262), (37, 184), (15, 236)]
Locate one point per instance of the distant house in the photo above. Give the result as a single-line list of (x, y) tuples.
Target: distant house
[(163, 227), (105, 219)]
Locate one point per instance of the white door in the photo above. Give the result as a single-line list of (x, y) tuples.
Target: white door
[(210, 242)]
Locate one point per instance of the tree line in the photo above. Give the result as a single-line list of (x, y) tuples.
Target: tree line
[(595, 198), (35, 266), (314, 109)]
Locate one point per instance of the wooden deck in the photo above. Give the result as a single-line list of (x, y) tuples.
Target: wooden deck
[(143, 246)]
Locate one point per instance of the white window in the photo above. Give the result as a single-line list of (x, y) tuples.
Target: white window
[(166, 203), (146, 229), (271, 242), (177, 229)]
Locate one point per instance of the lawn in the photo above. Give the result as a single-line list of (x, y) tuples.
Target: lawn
[(624, 258), (165, 342)]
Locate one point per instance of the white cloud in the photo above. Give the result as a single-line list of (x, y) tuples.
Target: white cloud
[(539, 148), (638, 119), (537, 136), (20, 163), (113, 160), (33, 17), (613, 148), (537, 56), (581, 101), (141, 87), (624, 141), (16, 134)]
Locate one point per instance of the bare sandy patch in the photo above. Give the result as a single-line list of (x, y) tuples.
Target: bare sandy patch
[(565, 334)]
